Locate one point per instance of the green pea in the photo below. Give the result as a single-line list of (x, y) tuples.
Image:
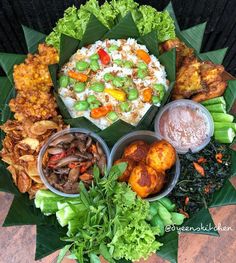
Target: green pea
[(63, 81), (91, 99), (108, 77), (94, 105), (128, 64), (155, 99), (133, 94), (142, 73), (81, 105), (142, 65), (95, 56), (79, 87), (159, 87), (118, 81), (117, 62), (97, 87), (112, 115), (125, 106), (72, 81), (82, 65), (113, 47), (94, 65)]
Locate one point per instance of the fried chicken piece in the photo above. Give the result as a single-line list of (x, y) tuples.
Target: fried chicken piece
[(182, 50), (188, 80), (33, 74), (35, 105), (211, 75)]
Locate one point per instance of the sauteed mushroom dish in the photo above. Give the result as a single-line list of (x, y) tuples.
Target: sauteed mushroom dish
[(69, 159)]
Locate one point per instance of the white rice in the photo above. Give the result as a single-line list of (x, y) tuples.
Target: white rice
[(127, 51)]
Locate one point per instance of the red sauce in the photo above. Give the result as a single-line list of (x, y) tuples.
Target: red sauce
[(184, 127)]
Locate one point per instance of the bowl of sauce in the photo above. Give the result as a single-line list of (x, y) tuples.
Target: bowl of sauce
[(186, 124)]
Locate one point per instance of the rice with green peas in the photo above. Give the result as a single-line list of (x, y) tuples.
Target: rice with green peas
[(120, 83)]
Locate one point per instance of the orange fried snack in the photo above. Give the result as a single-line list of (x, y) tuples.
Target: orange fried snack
[(33, 74), (34, 105)]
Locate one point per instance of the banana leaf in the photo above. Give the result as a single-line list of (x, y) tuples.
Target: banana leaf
[(150, 40), (169, 250), (215, 56), (7, 62), (125, 28), (48, 239), (6, 182), (225, 196), (68, 46), (230, 96), (33, 38), (200, 223), (95, 30), (168, 60)]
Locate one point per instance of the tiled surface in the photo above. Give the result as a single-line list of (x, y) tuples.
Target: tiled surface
[(17, 244)]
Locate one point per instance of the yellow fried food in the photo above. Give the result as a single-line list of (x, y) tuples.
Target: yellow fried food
[(211, 75), (143, 180), (188, 80), (35, 105), (33, 74), (161, 156)]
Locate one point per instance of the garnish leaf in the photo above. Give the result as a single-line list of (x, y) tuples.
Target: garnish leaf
[(95, 30), (224, 196), (125, 28), (151, 42), (32, 38), (68, 46), (48, 239), (168, 60), (62, 253), (193, 36), (94, 258), (215, 56), (169, 250), (230, 95), (7, 62), (201, 223)]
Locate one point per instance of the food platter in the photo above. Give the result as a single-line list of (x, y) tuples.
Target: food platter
[(108, 83)]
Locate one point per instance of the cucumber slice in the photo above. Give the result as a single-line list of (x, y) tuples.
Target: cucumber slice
[(222, 117), (220, 125), (48, 207), (177, 218), (156, 221), (72, 227), (216, 108), (166, 202), (214, 101), (225, 135)]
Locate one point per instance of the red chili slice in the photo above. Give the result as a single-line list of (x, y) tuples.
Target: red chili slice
[(104, 56)]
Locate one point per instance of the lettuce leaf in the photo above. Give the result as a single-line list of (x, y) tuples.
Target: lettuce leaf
[(154, 20), (147, 19)]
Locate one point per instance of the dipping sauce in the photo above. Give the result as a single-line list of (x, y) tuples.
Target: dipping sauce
[(185, 124)]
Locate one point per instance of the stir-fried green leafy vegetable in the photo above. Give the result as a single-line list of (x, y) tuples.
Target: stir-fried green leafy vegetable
[(146, 18), (107, 220)]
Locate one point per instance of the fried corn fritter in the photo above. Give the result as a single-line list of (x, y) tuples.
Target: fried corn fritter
[(33, 83), (21, 147), (34, 105), (33, 74), (188, 79)]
